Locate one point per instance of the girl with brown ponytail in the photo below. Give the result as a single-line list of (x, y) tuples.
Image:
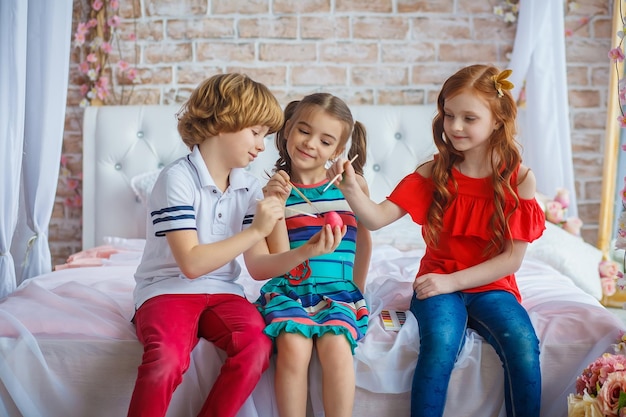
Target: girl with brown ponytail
[(319, 303)]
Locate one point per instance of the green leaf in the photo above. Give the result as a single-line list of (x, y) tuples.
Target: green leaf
[(622, 400)]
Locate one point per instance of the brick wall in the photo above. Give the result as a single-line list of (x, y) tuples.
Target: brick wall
[(367, 52)]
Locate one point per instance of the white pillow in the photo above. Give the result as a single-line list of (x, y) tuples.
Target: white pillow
[(142, 184), (403, 234), (570, 255)]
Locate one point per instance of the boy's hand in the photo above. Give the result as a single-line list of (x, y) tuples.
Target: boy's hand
[(325, 241), (278, 185), (268, 212)]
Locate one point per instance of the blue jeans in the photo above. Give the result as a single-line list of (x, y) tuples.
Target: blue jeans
[(499, 318)]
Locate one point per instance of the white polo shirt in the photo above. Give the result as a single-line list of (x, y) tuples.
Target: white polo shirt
[(185, 197)]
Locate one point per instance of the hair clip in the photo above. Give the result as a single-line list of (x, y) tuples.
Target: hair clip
[(500, 82)]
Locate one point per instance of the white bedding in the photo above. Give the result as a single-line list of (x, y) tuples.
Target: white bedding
[(69, 349)]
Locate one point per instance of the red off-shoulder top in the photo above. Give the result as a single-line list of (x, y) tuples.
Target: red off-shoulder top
[(466, 230)]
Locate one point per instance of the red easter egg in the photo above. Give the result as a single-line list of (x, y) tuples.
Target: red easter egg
[(333, 219)]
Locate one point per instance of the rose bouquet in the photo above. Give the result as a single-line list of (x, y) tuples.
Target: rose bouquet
[(610, 277), (601, 387)]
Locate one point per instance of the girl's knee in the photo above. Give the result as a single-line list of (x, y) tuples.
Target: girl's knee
[(294, 347), (443, 340), (334, 350)]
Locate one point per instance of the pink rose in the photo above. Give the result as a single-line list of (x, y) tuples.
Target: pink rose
[(608, 269), (562, 196), (616, 54), (595, 375), (573, 225), (608, 396), (609, 286), (554, 212)]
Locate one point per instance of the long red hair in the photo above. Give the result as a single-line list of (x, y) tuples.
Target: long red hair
[(502, 146)]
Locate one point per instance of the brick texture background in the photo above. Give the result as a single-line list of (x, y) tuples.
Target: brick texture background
[(367, 52)]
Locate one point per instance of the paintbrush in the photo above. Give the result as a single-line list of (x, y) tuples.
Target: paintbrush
[(296, 211), (301, 212), (299, 193), (302, 195), (336, 177)]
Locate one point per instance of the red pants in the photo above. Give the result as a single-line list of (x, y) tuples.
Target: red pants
[(169, 326)]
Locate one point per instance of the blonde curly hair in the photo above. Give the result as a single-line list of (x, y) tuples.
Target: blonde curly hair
[(227, 103)]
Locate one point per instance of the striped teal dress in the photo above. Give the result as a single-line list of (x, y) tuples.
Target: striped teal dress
[(319, 295)]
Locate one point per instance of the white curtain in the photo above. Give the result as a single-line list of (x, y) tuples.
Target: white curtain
[(539, 58), (35, 38)]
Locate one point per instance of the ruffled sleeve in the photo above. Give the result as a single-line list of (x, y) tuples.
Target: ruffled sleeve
[(414, 195), (528, 222)]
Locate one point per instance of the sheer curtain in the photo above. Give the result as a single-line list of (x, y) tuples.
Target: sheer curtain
[(35, 38), (539, 58)]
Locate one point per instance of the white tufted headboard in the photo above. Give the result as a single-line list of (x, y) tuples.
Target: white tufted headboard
[(120, 142)]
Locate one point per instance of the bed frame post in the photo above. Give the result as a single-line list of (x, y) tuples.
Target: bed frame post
[(611, 153)]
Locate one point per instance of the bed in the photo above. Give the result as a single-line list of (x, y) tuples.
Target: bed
[(68, 349)]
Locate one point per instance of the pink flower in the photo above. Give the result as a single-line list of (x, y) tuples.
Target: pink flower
[(92, 58), (73, 202), (103, 82), (616, 54), (114, 4), (569, 33), (609, 286), (573, 225), (562, 196), (608, 396), (131, 74), (122, 65), (77, 201), (97, 5), (82, 28), (79, 39), (72, 183), (102, 92), (554, 212), (114, 21), (593, 376), (608, 268), (620, 282), (106, 47), (84, 67), (622, 121)]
